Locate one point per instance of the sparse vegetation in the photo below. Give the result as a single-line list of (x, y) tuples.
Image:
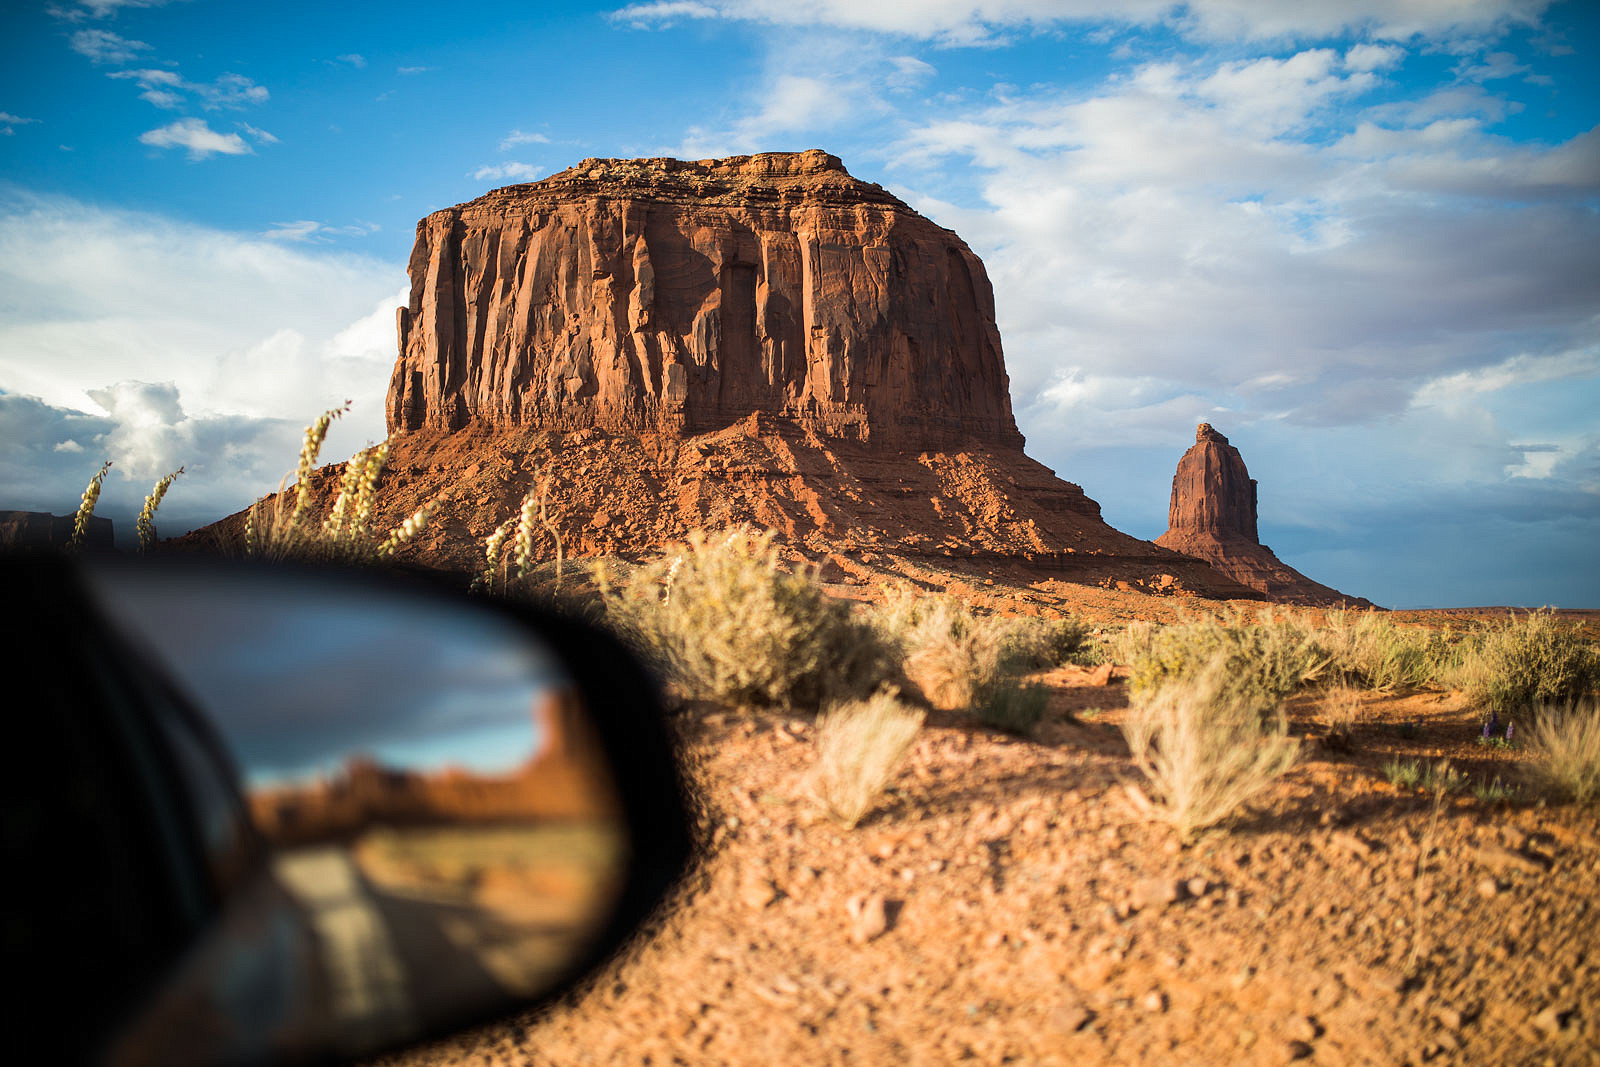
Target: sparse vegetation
[(1339, 710), (1531, 660), (80, 522), (146, 526), (506, 567), (1368, 651), (1012, 705), (860, 744), (1261, 662), (1433, 778), (1405, 774), (1206, 745), (727, 623), (1564, 742), (282, 531)]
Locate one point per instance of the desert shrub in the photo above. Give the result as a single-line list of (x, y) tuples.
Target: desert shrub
[(1036, 644), (1535, 659), (860, 744), (1339, 711), (1129, 643), (1262, 662), (1366, 650), (1011, 704), (286, 530), (727, 623), (1206, 745), (962, 660), (1407, 774), (1564, 742)]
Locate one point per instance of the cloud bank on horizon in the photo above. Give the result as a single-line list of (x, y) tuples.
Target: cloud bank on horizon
[(1363, 239)]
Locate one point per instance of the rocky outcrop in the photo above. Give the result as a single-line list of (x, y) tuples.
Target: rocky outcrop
[(1212, 517), (40, 529), (658, 295)]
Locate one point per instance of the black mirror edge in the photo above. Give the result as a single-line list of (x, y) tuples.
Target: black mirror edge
[(625, 709)]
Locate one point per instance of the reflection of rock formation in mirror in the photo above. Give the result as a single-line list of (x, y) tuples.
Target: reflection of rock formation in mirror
[(565, 779)]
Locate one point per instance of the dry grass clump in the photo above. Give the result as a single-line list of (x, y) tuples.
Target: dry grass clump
[(1206, 745), (1564, 741), (961, 660), (1339, 710), (345, 536), (727, 623), (1531, 660), (1012, 705), (860, 744), (1263, 661), (1369, 651)]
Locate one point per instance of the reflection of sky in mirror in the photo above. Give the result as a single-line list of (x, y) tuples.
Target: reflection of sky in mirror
[(301, 672)]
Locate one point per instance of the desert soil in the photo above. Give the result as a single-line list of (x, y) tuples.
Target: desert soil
[(1014, 901)]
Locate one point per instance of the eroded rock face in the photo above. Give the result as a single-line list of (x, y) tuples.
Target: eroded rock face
[(657, 295), (1212, 517)]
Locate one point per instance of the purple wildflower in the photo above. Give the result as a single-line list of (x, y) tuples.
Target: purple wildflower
[(1509, 727), (1486, 728)]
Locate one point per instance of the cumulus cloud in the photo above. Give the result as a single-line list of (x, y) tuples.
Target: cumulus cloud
[(158, 344), (354, 59), (981, 22), (196, 136), (103, 46), (510, 171)]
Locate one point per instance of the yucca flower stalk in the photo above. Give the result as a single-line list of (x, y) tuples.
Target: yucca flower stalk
[(334, 526), (406, 530), (492, 546), (374, 460), (146, 525), (91, 493), (523, 543), (310, 449)]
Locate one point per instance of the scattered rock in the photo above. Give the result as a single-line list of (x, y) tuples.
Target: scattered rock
[(1449, 1018), (1298, 1050), (1488, 888), (1303, 1028), (1154, 1001), (1197, 887), (1499, 858), (1552, 1020), (1157, 893), (758, 892), (1390, 981), (869, 917), (1348, 842), (1070, 1017)]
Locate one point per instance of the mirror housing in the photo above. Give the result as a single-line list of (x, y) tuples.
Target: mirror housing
[(280, 813)]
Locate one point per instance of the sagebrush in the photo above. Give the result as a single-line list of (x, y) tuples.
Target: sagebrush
[(728, 623), (1206, 745), (1564, 742), (859, 746)]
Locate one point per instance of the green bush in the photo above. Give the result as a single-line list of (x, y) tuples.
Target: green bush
[(1529, 660), (1370, 652), (1011, 705), (1261, 662), (727, 623)]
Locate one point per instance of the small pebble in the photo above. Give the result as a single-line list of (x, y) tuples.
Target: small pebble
[(1488, 889)]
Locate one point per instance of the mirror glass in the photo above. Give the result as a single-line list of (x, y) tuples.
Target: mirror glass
[(402, 811)]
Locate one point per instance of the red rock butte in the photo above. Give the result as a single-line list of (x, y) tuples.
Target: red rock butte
[(1213, 517), (649, 295)]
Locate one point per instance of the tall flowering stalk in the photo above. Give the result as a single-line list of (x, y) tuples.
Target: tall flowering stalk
[(310, 449), (406, 530), (80, 524), (492, 546), (147, 515)]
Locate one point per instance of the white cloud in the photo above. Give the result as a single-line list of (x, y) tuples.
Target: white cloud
[(510, 171), (412, 70), (196, 136), (165, 89), (100, 9), (311, 230), (260, 135), (516, 137), (1373, 57), (9, 122), (977, 22), (355, 59), (201, 347), (103, 46)]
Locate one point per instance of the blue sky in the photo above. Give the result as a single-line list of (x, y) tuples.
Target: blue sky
[(1362, 238)]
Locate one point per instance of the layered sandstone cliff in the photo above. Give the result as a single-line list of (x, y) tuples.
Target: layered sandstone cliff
[(1212, 517), (658, 295)]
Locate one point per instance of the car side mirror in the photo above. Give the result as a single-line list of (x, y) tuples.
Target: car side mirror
[(298, 814)]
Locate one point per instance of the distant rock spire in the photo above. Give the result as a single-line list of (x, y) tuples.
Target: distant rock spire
[(1212, 517)]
